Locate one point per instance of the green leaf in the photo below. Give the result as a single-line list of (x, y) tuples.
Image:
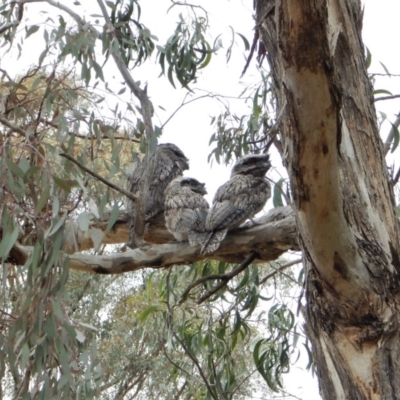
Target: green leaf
[(98, 70), (36, 257), (149, 310), (43, 200), (31, 30), (42, 56), (50, 327), (245, 41), (65, 184), (14, 168), (54, 228), (113, 218), (368, 59), (382, 91), (277, 198), (57, 310), (24, 355), (396, 137), (32, 171), (110, 4), (83, 221), (207, 58), (384, 67), (8, 242), (87, 326), (80, 336), (122, 90)]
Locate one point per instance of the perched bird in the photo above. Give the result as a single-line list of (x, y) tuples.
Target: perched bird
[(186, 209), (243, 196), (169, 163)]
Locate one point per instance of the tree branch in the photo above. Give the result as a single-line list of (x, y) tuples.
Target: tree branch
[(61, 6), (280, 269), (227, 277), (197, 364), (395, 96), (8, 124), (147, 111), (274, 234)]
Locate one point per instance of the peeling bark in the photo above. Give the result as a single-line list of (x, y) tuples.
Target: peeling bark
[(342, 199)]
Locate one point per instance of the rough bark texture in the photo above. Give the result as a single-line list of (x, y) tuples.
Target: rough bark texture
[(271, 236), (343, 202)]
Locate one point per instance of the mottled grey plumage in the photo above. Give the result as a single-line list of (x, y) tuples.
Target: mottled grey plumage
[(243, 196), (186, 209), (169, 163)]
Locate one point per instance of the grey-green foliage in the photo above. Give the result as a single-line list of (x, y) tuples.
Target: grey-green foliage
[(236, 135), (136, 41), (185, 52), (45, 353), (69, 335), (151, 345)]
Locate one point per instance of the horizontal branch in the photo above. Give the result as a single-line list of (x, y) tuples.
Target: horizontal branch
[(272, 235), (395, 96), (15, 128), (228, 276)]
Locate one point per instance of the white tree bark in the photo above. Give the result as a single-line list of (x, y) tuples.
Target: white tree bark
[(342, 199), (272, 235)]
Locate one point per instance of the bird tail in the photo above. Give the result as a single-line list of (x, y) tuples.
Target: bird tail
[(212, 241)]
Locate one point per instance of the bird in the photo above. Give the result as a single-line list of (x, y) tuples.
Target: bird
[(242, 197), (186, 209), (169, 163)]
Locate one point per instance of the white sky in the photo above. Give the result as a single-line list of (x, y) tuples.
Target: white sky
[(191, 130)]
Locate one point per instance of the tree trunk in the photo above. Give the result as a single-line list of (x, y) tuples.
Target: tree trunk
[(343, 201)]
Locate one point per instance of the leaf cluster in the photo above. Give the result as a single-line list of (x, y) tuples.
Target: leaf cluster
[(185, 52), (136, 41), (235, 136)]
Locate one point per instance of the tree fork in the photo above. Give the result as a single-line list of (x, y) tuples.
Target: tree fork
[(343, 202)]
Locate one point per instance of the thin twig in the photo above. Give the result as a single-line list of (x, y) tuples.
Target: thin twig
[(196, 363), (227, 277), (61, 6), (280, 269), (199, 282), (123, 191), (13, 127), (381, 74), (252, 49), (395, 96), (182, 105), (81, 136)]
